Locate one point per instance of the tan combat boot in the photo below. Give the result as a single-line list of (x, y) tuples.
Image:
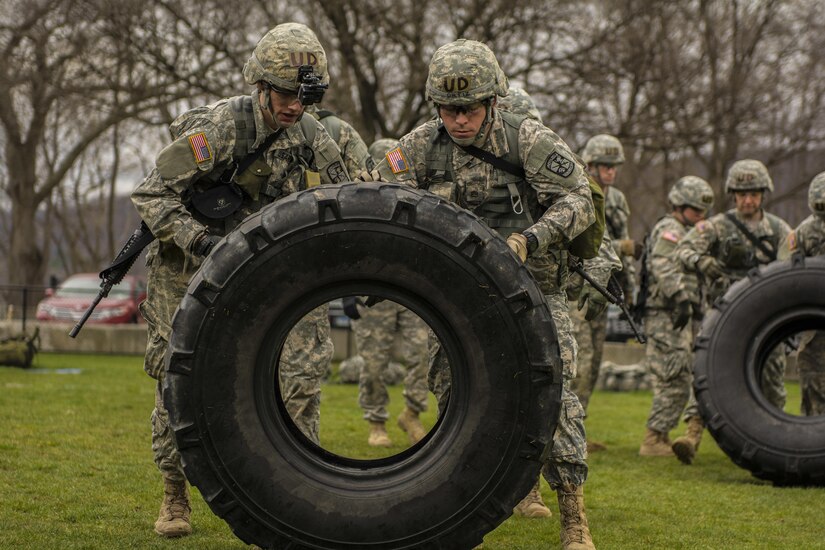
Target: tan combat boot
[(410, 423), (173, 519), (378, 435), (532, 506), (655, 444), (685, 447), (575, 533)]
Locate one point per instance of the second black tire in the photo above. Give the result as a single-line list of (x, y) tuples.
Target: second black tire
[(248, 459), (755, 315)]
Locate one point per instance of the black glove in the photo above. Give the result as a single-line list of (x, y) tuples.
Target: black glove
[(204, 243), (682, 310), (351, 307)]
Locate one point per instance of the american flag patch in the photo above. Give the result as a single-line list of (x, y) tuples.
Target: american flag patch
[(397, 161), (200, 147), (670, 236), (792, 240)]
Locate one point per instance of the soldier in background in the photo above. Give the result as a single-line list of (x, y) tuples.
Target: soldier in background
[(519, 102), (194, 181), (808, 239), (553, 179), (375, 331), (349, 141), (720, 251), (672, 302), (603, 155)]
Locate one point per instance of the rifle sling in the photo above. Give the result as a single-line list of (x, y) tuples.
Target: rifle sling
[(771, 254), (498, 162), (247, 161)]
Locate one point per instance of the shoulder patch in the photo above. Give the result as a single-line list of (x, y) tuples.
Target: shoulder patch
[(670, 236), (559, 164), (701, 226), (200, 147), (397, 161), (336, 172), (792, 242)]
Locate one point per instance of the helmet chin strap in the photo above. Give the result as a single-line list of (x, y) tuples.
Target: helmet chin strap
[(267, 97)]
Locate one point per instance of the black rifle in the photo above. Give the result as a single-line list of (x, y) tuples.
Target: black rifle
[(614, 295), (121, 265)]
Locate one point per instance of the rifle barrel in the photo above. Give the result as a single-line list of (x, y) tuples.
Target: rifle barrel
[(76, 330)]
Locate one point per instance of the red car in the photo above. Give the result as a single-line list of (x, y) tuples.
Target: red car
[(71, 299)]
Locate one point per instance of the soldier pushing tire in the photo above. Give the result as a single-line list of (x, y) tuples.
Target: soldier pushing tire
[(757, 314), (256, 469)]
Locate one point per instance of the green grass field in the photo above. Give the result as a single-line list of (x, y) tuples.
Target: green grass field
[(76, 471)]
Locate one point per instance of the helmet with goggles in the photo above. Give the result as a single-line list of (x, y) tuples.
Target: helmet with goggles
[(290, 59)]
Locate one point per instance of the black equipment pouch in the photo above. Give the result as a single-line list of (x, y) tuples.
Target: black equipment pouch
[(218, 202)]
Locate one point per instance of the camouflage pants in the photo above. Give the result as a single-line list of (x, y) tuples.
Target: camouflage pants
[(812, 373), (772, 382), (773, 377), (590, 339), (375, 334), (567, 463), (303, 364), (669, 360), (304, 361)]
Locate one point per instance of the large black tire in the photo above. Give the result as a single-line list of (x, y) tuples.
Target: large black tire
[(250, 462), (756, 314)]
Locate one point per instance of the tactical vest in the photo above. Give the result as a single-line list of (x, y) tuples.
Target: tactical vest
[(511, 205), (508, 207), (218, 195), (738, 253)]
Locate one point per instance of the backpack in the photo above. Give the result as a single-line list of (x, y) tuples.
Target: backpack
[(19, 351)]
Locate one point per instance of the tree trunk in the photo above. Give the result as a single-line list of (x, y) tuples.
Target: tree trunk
[(27, 260)]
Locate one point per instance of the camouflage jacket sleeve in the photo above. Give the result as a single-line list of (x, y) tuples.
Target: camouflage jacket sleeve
[(328, 160), (699, 241), (808, 238), (666, 273), (203, 142), (353, 149), (560, 183), (412, 154), (617, 212), (605, 263)]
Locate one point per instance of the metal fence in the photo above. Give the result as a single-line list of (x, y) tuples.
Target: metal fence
[(19, 303)]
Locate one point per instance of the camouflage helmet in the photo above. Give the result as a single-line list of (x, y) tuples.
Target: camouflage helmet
[(381, 147), (748, 175), (603, 149), (279, 54), (816, 194), (519, 102), (691, 191), (463, 72)]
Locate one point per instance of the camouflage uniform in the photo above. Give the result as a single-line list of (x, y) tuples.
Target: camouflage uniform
[(375, 334), (555, 179), (519, 102), (808, 239), (719, 238), (590, 334), (669, 350), (202, 148), (349, 141)]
